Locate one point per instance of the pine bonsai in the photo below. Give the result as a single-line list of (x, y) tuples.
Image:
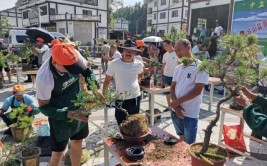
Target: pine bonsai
[(236, 67)]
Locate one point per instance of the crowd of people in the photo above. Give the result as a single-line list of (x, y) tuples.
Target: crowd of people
[(61, 66)]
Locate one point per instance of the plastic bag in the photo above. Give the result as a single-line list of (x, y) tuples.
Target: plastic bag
[(42, 128), (233, 137)]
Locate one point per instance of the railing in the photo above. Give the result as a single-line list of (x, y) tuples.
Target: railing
[(34, 20), (75, 17)]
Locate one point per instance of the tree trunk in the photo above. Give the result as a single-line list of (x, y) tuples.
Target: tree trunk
[(208, 130)]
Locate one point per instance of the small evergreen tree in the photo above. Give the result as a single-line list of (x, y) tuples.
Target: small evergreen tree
[(175, 35)]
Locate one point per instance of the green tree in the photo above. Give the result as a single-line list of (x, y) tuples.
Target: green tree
[(135, 14), (4, 25), (175, 35)]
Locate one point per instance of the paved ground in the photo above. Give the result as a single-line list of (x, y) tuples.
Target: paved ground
[(94, 143)]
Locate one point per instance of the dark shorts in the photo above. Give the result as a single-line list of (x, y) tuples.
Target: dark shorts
[(7, 69), (61, 146), (167, 81)]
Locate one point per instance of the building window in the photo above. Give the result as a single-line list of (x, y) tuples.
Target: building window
[(52, 11), (25, 14), (201, 21), (155, 3), (43, 10), (186, 13), (155, 16), (25, 1), (149, 22), (162, 15), (175, 1), (175, 13), (163, 2), (149, 11), (87, 12)]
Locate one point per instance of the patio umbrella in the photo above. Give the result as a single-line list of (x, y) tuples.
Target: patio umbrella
[(34, 33), (152, 39)]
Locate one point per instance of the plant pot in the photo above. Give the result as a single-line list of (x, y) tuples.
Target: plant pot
[(136, 140), (32, 160), (196, 161), (19, 134)]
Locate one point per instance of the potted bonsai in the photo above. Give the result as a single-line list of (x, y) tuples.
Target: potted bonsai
[(30, 156), (236, 68), (20, 129)]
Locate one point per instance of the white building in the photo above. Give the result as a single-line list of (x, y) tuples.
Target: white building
[(13, 15), (121, 24), (207, 12), (163, 14), (83, 20)]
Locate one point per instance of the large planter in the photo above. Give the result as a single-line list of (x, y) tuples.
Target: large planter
[(136, 140), (33, 159), (19, 134), (196, 161)]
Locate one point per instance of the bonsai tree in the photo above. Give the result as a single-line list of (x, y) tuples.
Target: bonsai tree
[(236, 67), (23, 120)]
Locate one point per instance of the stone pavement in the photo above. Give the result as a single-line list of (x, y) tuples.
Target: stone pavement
[(95, 145)]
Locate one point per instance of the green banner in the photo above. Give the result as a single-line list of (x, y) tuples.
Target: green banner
[(250, 5)]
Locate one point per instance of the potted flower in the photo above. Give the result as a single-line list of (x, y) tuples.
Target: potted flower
[(238, 64), (20, 129)]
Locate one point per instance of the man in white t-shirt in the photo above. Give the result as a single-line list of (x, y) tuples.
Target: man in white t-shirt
[(186, 93), (196, 50), (169, 63), (127, 72), (218, 29), (115, 54)]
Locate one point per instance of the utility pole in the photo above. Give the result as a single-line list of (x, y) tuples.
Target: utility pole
[(230, 16)]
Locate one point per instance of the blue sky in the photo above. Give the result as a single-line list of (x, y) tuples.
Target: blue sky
[(11, 3)]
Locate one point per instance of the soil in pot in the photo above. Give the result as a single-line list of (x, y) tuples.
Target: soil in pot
[(135, 126), (213, 149), (157, 151), (30, 152)]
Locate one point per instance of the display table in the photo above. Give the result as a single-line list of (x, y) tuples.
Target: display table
[(118, 152), (226, 109)]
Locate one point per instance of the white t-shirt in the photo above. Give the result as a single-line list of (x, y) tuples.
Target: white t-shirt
[(126, 77), (46, 55), (218, 30), (116, 55), (138, 57), (45, 80), (171, 61), (186, 78), (195, 50)]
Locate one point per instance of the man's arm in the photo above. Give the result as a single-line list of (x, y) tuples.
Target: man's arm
[(140, 76), (6, 104), (162, 70), (40, 50), (190, 95), (106, 84), (172, 91)]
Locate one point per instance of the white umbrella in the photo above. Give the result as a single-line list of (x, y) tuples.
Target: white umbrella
[(152, 39)]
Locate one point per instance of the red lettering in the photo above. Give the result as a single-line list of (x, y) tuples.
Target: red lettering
[(259, 26), (254, 29), (264, 23)]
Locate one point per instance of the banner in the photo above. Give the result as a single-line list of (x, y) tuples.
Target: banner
[(250, 16)]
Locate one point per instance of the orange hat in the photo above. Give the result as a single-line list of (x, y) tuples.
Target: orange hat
[(55, 41), (39, 39), (65, 54), (18, 89), (140, 43)]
